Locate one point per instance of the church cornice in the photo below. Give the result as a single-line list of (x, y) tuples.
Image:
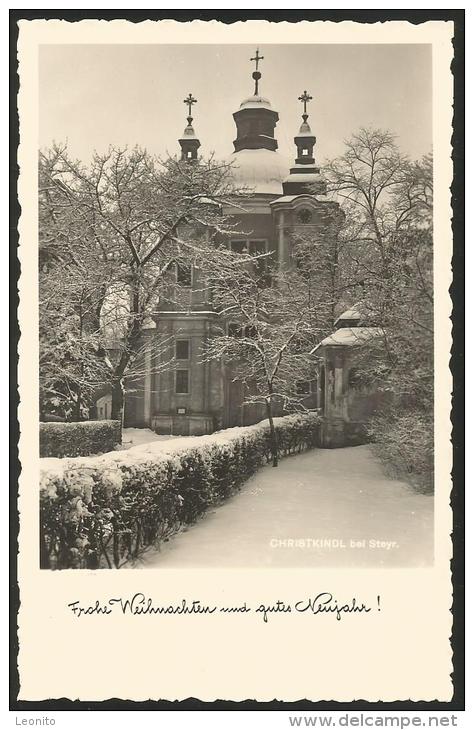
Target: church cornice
[(295, 201)]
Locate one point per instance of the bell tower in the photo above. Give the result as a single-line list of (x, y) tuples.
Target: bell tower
[(255, 120), (305, 139), (189, 142), (305, 176)]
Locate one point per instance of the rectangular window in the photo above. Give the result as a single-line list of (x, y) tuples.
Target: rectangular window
[(251, 332), (239, 246), (182, 349), (182, 381), (234, 330), (252, 247), (303, 387), (183, 274), (257, 247)]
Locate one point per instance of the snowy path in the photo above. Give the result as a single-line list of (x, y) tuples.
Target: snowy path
[(338, 495)]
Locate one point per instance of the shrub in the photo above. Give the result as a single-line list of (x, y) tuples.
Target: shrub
[(404, 441), (101, 511), (79, 439)]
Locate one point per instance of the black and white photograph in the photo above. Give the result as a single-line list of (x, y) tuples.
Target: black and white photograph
[(235, 306), (235, 245)]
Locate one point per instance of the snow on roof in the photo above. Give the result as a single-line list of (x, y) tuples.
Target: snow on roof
[(284, 199), (350, 336), (351, 313), (290, 198), (189, 132), (256, 102), (261, 170), (208, 201), (305, 131), (304, 177), (300, 166), (187, 312)]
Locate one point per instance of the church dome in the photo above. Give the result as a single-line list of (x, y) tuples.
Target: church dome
[(260, 170), (305, 131), (256, 101), (189, 132)]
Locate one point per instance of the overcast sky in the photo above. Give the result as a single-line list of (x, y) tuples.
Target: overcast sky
[(93, 96)]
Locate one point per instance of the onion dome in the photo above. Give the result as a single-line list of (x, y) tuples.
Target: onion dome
[(257, 101), (261, 171), (256, 164)]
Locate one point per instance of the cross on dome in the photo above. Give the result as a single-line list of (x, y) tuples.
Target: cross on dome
[(305, 97), (189, 142), (256, 74), (189, 101), (257, 58)]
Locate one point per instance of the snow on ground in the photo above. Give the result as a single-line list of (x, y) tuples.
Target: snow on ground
[(334, 495), (131, 438), (137, 436), (158, 446)]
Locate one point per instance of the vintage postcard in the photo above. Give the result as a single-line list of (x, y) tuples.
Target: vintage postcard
[(235, 245)]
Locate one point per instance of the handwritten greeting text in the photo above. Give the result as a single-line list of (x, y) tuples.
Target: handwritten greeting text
[(141, 605)]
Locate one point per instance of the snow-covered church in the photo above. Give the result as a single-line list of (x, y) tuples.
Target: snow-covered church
[(200, 397)]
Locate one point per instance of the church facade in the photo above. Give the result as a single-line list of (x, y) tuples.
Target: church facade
[(197, 397)]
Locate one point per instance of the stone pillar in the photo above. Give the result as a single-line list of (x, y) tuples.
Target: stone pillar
[(206, 399), (339, 385), (147, 387), (282, 253)]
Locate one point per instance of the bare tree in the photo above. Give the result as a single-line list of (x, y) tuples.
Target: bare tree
[(116, 231), (387, 200), (388, 240), (266, 335)]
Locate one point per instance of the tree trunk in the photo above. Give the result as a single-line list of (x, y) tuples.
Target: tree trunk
[(117, 400), (273, 436), (44, 553), (77, 408)]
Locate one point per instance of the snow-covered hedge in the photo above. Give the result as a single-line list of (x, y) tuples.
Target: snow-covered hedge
[(101, 511), (404, 442), (79, 438)]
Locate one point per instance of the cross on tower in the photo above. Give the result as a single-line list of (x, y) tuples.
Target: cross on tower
[(257, 58), (190, 100), (305, 97), (256, 74)]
